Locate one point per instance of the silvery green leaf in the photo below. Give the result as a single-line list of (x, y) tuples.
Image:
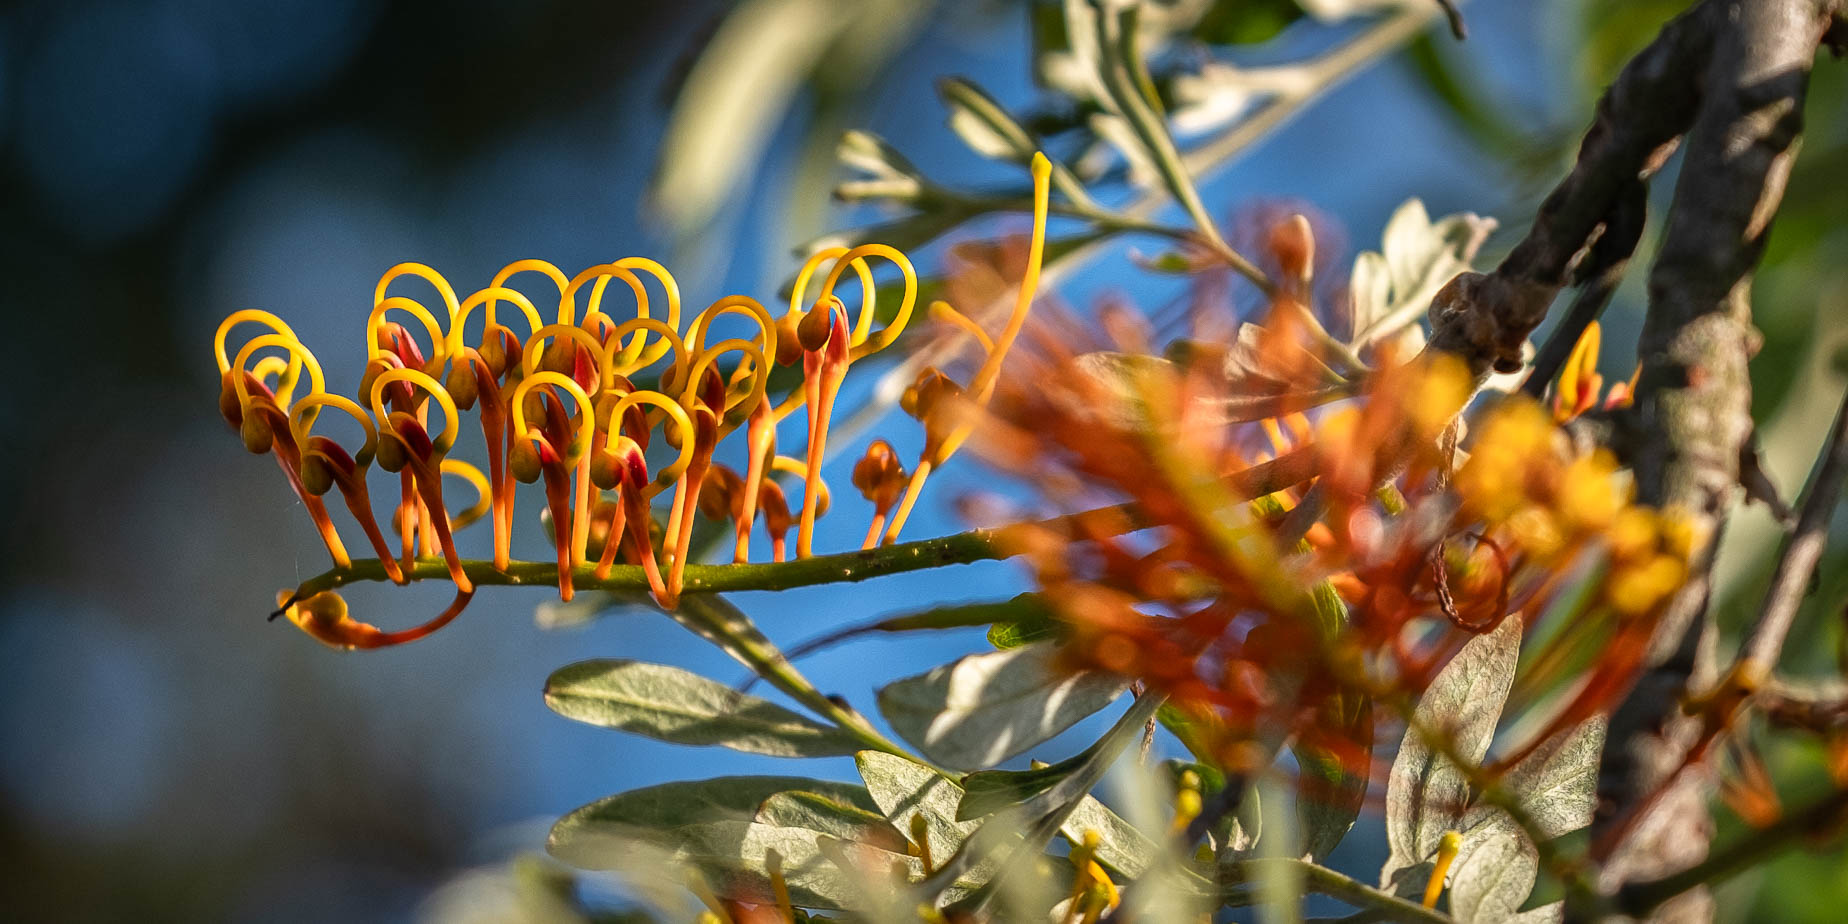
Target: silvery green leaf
[(1557, 783), (982, 709), (1120, 846), (1493, 873), (1419, 256), (903, 789), (820, 812), (983, 124), (871, 155), (670, 704), (1425, 794), (725, 798)]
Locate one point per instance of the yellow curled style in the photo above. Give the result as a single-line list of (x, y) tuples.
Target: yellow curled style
[(275, 324), (790, 465), (486, 299), (587, 417), (942, 311), (535, 345), (271, 365), (742, 305), (673, 409), (613, 367), (517, 267), (864, 343), (473, 476), (869, 297), (298, 354), (754, 358), (439, 341), (451, 420), (301, 421), (421, 271), (639, 351)]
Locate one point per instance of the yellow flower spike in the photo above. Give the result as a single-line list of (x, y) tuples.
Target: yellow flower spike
[(487, 299), (1579, 382), (863, 341), (476, 479), (941, 311), (1447, 847), (544, 267), (452, 421), (298, 354), (439, 339), (863, 321), (638, 352), (423, 272), (613, 366), (285, 386), (531, 356)]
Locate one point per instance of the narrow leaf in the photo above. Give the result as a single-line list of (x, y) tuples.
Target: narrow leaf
[(670, 704), (830, 816), (903, 789), (982, 709), (671, 805)]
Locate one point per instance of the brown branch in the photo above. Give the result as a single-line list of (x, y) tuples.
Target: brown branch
[(1486, 319), (1693, 406), (1797, 562)]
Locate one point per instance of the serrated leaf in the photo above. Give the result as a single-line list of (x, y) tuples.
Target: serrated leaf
[(827, 815), (1425, 794), (670, 704), (982, 709)]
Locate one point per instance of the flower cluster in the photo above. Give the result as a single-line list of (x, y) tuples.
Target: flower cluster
[(1270, 559), (577, 403)]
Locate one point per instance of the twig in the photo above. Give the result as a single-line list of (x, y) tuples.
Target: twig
[(1693, 404), (1486, 319), (1325, 881), (1758, 485), (1600, 274), (1639, 898), (1764, 642), (1455, 17), (974, 545)]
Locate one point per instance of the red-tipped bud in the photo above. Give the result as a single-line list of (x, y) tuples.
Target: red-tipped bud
[(460, 383), (228, 405), (719, 496), (926, 394), (1293, 243), (392, 455), (317, 475), (560, 356), (257, 434), (494, 348), (522, 460), (817, 327), (879, 476), (788, 343), (605, 470)]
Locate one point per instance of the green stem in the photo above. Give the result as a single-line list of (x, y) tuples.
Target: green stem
[(715, 619), (1325, 881), (975, 545)]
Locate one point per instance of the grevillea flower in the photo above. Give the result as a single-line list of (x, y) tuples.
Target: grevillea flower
[(1272, 561), (576, 401)]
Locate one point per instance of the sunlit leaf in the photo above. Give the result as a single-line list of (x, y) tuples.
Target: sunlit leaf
[(671, 704), (818, 812), (1425, 794), (904, 789), (982, 709)]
